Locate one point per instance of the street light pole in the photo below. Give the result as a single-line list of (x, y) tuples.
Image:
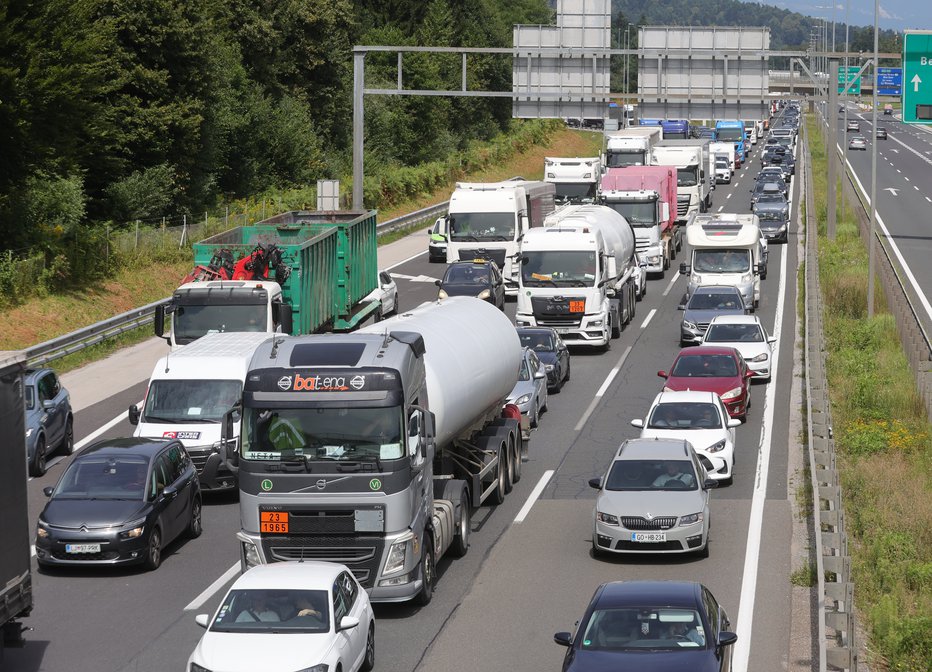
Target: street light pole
[(844, 145), (871, 241)]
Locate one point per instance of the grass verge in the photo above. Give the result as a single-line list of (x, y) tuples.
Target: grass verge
[(884, 447)]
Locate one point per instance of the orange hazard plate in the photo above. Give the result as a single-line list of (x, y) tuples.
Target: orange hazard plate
[(273, 522), (577, 306)]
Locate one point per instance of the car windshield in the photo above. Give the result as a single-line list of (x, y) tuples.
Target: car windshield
[(104, 477), (180, 402), (684, 415), (466, 226), (30, 393), (714, 302), (467, 273), (640, 475), (191, 321), (558, 269), (280, 611), (771, 198), (537, 340), (638, 213), (731, 333), (643, 628), (345, 433), (771, 216), (721, 261), (686, 177), (704, 366)]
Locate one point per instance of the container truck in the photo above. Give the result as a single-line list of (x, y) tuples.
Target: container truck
[(693, 180), (631, 147), (332, 268), (372, 448), (574, 180), (15, 553), (675, 129), (188, 395), (726, 249), (579, 275), (489, 219), (646, 197), (732, 130), (727, 149)]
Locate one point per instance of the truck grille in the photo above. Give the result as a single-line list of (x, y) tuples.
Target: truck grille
[(682, 207), (361, 553), (199, 455), (638, 523), (641, 245), (554, 311)]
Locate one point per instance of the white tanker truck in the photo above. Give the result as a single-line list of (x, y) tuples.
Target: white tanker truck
[(372, 448), (579, 275)]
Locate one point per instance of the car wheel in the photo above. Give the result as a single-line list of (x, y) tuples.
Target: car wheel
[(460, 544), (536, 417), (427, 573), (368, 663), (567, 373), (37, 468), (544, 408), (68, 442), (195, 527), (154, 550), (395, 309), (559, 385)]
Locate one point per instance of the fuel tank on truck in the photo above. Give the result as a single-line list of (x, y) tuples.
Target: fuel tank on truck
[(615, 229), (472, 358)]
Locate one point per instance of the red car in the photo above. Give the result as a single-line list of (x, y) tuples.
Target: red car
[(712, 369)]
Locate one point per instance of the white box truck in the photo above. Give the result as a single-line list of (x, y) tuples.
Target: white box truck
[(575, 180), (726, 149), (694, 183)]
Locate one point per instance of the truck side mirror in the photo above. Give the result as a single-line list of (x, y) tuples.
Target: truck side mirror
[(159, 321), (665, 211), (427, 431), (684, 268), (133, 414), (283, 314), (230, 456)]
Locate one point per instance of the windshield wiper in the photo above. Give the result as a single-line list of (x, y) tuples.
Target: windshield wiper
[(537, 282), (465, 236), (167, 421), (574, 283)]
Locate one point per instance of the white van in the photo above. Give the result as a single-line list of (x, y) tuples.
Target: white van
[(725, 250)]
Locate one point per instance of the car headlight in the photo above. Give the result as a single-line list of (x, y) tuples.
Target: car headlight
[(442, 295), (732, 393), (523, 399), (397, 555), (548, 367), (484, 294), (716, 447), (30, 431), (691, 519), (762, 357), (323, 667), (606, 518), (133, 530), (194, 667), (41, 532), (690, 325)]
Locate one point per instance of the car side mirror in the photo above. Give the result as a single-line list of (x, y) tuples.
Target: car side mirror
[(347, 623), (133, 414), (595, 483), (771, 339), (169, 491), (202, 620), (438, 282), (539, 375), (662, 374), (230, 455), (563, 639), (47, 490), (681, 306), (726, 638), (733, 422), (48, 404), (637, 422), (709, 484)]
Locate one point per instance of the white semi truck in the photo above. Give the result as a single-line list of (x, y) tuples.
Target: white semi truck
[(576, 180), (631, 146), (372, 448), (579, 275), (189, 394), (489, 219), (694, 183)]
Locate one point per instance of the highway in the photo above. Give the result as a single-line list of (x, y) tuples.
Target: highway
[(529, 571), (904, 190)]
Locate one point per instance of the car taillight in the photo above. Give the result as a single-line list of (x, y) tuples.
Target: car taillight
[(511, 411)]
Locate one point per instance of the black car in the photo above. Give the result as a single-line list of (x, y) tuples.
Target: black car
[(705, 303), (551, 351), (120, 501), (650, 625), (479, 277)]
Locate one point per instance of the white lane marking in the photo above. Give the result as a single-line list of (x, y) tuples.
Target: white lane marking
[(602, 389), (650, 316), (929, 199), (745, 619), (670, 284), (535, 493), (100, 430), (727, 197), (898, 170), (914, 151), (199, 601), (32, 550), (916, 187), (405, 261), (906, 178), (720, 208)]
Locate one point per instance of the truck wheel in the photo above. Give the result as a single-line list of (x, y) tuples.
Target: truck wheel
[(37, 468), (498, 495), (509, 468), (616, 325), (516, 448), (460, 544), (427, 573)]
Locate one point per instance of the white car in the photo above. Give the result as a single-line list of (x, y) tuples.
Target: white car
[(701, 419), (747, 335), (289, 616), (386, 294)]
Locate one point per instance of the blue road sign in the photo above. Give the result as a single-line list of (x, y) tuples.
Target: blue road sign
[(889, 81)]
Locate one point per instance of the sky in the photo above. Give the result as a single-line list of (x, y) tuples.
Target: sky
[(898, 14)]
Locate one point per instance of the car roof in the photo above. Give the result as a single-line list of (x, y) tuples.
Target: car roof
[(132, 445), (685, 396), (307, 574), (735, 319), (653, 448), (649, 593)]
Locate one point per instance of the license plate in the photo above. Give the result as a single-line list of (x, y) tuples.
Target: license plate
[(648, 537), (82, 548), (273, 522)]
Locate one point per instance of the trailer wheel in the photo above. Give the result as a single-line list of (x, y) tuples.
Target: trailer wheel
[(616, 324), (498, 495), (516, 448), (460, 544), (427, 573), (509, 467)]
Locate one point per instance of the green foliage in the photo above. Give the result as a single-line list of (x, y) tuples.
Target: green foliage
[(144, 194)]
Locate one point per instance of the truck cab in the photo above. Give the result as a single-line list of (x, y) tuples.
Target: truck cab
[(575, 180)]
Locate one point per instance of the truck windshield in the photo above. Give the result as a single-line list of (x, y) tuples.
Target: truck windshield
[(729, 134), (346, 433), (686, 177), (721, 261), (466, 226), (619, 159), (559, 269), (181, 402), (190, 322), (575, 192), (675, 135), (640, 213)]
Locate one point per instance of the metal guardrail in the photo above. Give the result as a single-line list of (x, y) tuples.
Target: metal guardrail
[(49, 351), (836, 628)]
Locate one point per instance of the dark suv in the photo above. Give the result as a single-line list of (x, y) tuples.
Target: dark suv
[(49, 421), (705, 303)]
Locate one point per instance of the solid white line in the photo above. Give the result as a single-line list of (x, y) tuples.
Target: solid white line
[(602, 389), (649, 317), (100, 430), (199, 601), (745, 619), (405, 261), (671, 283), (532, 498)]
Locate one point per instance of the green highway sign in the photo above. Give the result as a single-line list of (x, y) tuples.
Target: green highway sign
[(855, 88), (917, 77)]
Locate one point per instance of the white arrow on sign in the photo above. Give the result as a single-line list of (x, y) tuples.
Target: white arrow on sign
[(916, 82), (891, 190)]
